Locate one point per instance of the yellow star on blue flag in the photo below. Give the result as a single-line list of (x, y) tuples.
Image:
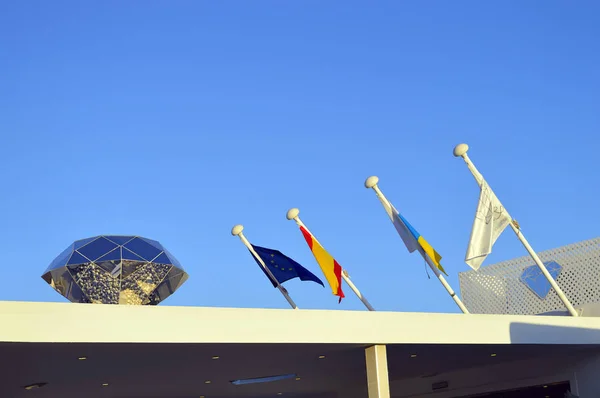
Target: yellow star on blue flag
[(282, 267)]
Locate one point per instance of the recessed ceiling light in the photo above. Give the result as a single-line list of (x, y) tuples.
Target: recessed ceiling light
[(82, 358), (215, 357), (207, 382), (297, 378), (413, 355), (279, 393), (104, 384), (321, 356), (545, 386), (493, 355), (34, 386), (266, 379)]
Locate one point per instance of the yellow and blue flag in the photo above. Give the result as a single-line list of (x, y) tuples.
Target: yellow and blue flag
[(282, 267), (413, 239)]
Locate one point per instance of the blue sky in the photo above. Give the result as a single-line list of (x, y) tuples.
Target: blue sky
[(177, 120)]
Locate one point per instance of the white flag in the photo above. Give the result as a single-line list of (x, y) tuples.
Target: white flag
[(490, 220)]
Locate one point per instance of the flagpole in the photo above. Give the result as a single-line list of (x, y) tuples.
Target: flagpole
[(237, 231), (371, 182), (292, 214), (461, 151)]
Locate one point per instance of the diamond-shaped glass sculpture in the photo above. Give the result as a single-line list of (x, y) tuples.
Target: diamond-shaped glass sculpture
[(535, 280), (115, 270)]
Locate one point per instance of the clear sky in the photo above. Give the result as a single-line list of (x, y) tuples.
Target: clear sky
[(177, 120)]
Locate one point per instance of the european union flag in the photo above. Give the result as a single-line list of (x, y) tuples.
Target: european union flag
[(282, 267)]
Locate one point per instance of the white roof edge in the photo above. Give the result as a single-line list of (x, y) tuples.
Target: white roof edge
[(88, 323)]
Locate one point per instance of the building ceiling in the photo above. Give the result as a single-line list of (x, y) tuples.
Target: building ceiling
[(167, 352), (163, 370)]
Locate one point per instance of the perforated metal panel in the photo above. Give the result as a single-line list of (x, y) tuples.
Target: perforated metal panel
[(497, 288)]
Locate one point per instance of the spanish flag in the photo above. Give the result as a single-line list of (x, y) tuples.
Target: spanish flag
[(331, 269)]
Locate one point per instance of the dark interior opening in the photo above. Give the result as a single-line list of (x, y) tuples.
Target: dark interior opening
[(550, 390)]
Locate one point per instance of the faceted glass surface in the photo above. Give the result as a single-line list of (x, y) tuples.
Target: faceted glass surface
[(115, 270), (535, 280)]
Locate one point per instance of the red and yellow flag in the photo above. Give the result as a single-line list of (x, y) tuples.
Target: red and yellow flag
[(331, 269)]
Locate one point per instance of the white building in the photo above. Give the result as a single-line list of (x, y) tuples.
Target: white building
[(98, 351), (502, 349)]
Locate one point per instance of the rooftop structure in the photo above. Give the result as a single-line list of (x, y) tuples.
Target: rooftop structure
[(517, 286), (115, 270), (74, 350)]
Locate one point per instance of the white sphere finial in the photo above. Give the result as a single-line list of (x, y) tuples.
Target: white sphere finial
[(235, 231), (371, 181), (460, 149), (292, 213)]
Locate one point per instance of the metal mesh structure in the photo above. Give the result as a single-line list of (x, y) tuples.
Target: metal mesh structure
[(517, 287)]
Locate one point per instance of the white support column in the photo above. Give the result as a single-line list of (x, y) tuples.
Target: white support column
[(377, 372)]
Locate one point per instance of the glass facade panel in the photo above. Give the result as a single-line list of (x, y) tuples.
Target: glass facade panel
[(153, 243), (129, 267), (97, 248), (111, 255), (129, 255), (99, 286), (61, 259), (139, 285), (173, 259), (77, 258), (47, 277), (142, 249), (162, 259), (65, 285), (119, 240), (80, 243), (113, 267), (172, 282)]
